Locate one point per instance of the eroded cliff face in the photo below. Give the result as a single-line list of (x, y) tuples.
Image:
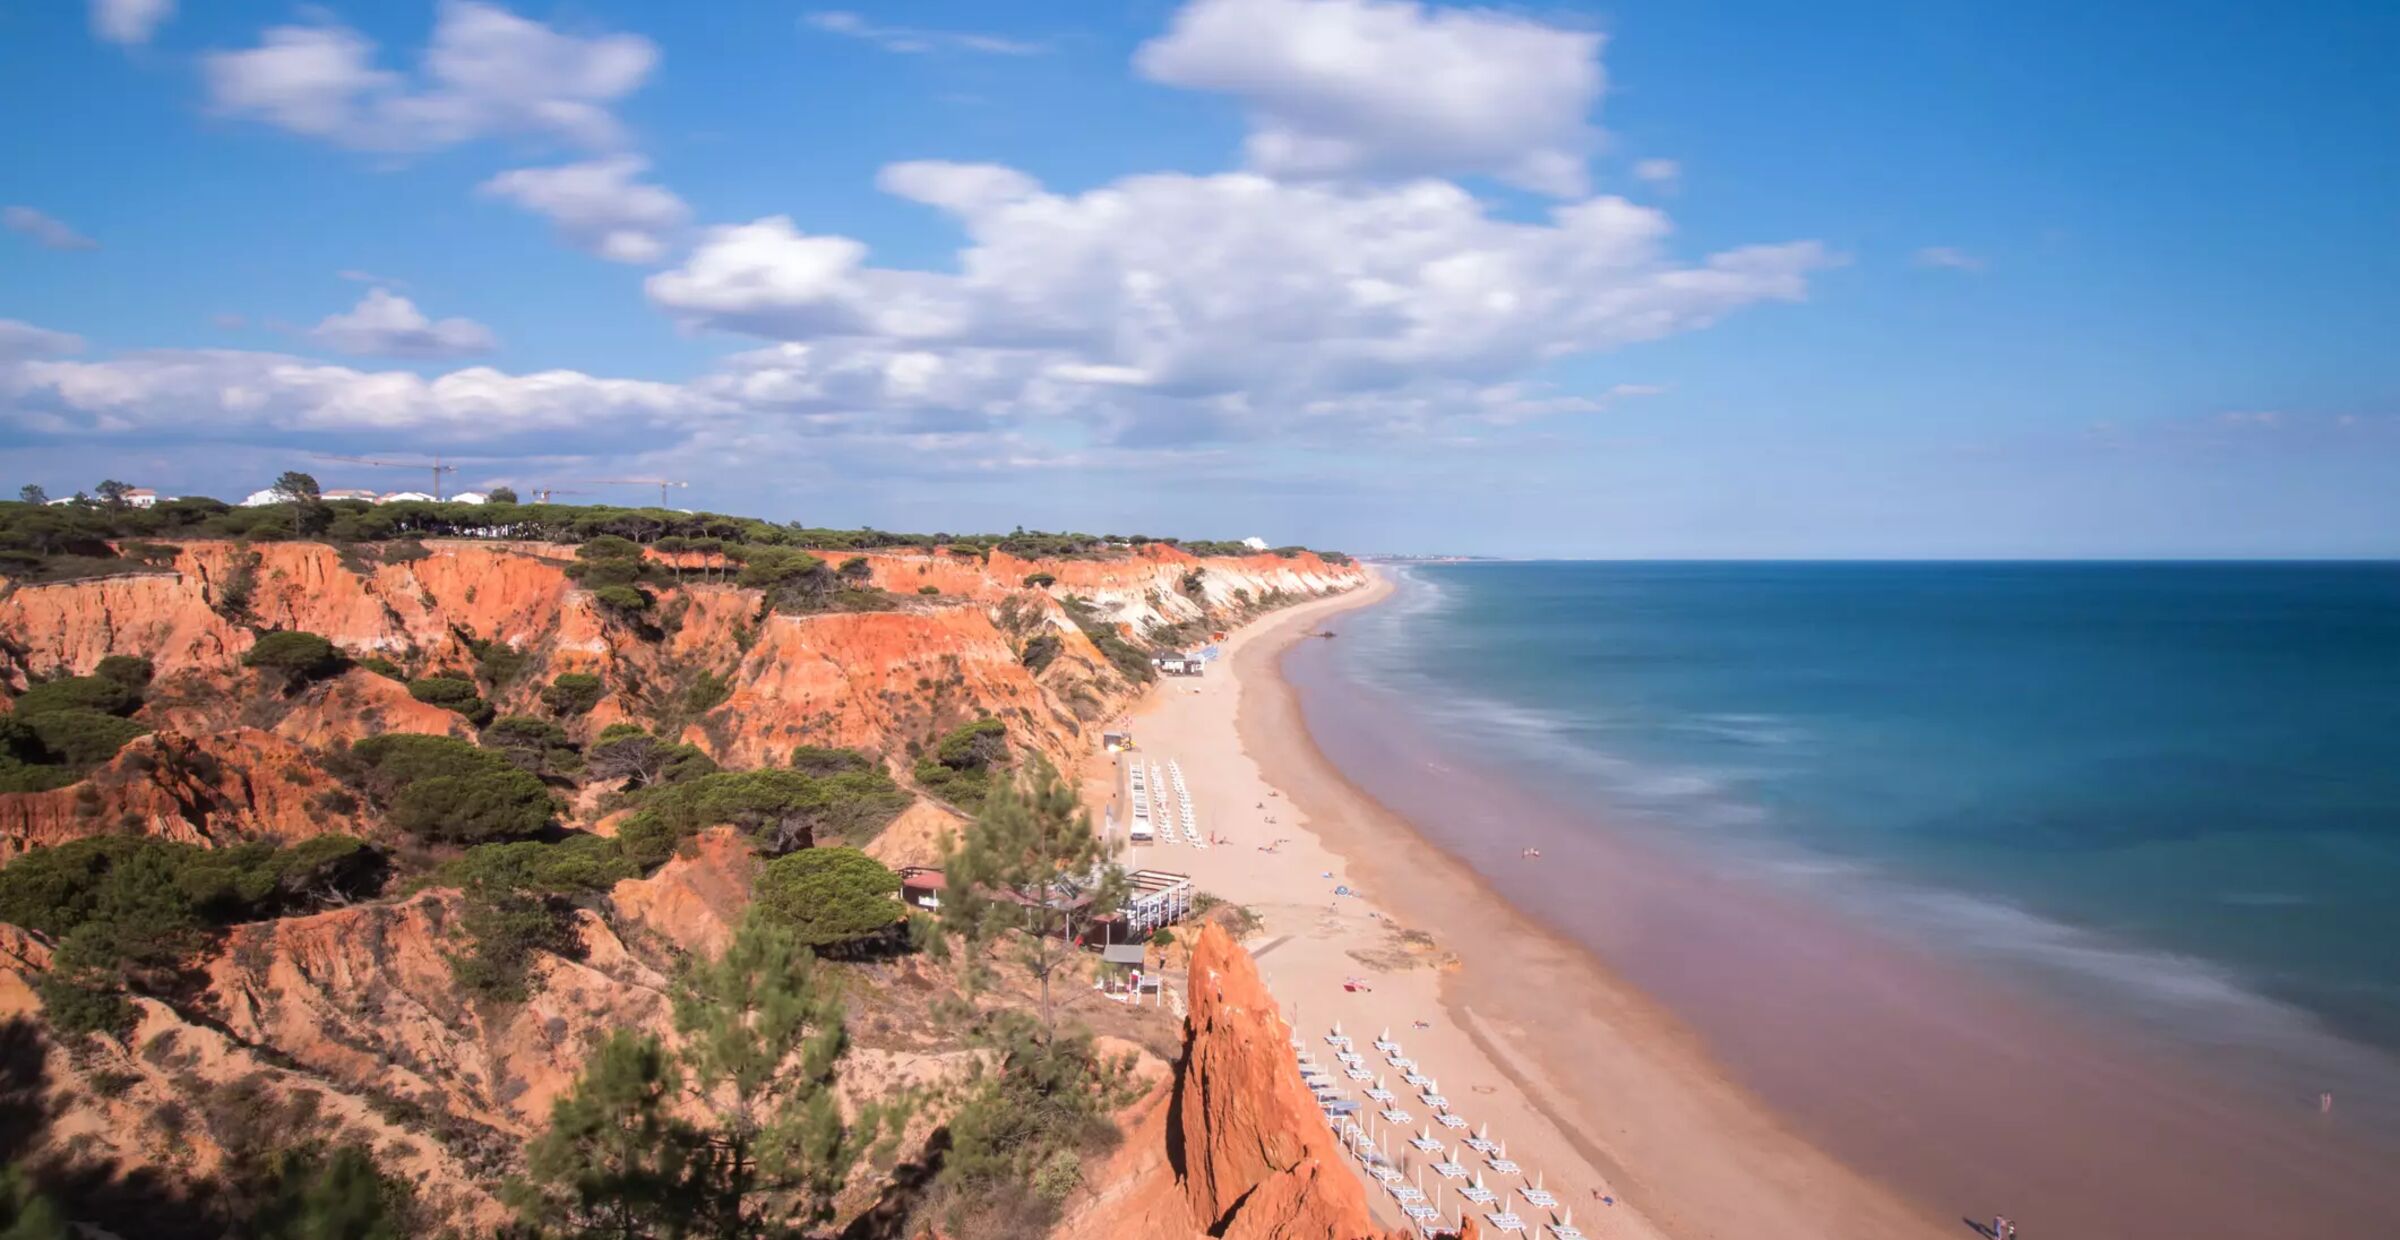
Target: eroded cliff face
[(228, 786), (1234, 1146), (353, 1014)]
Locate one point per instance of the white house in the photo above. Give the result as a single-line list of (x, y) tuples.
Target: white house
[(404, 497), (1255, 543), (141, 497), (348, 493), (260, 499), (470, 497)]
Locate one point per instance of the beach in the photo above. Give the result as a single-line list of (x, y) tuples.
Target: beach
[(1719, 1056), (1593, 1086)]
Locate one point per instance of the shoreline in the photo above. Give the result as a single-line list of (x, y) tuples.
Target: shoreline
[(1622, 1101), (1750, 1060)]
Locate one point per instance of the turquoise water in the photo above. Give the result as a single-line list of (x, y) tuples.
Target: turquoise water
[(2170, 787)]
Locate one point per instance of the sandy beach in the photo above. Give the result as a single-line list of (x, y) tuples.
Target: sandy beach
[(1589, 1083)]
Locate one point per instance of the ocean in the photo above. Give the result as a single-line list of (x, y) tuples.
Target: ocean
[(2164, 798)]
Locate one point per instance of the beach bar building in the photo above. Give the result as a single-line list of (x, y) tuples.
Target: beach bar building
[(921, 887), (1153, 898)]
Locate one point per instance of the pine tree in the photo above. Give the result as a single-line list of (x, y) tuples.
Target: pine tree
[(1030, 864), (763, 1035), (615, 1160)]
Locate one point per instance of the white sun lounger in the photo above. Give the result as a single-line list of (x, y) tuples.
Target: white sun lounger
[(1503, 1220), (1435, 1101), (1447, 1120), (1540, 1197), (1418, 1079), (1380, 1094), (1426, 1142), (1478, 1194), (1361, 1074), (1394, 1115), (1449, 1170), (1505, 1166)]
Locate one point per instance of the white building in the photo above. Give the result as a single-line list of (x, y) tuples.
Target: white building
[(260, 499), (1255, 543), (141, 497), (470, 497), (348, 493), (404, 497)]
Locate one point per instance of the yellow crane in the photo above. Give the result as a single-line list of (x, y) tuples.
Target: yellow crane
[(434, 465)]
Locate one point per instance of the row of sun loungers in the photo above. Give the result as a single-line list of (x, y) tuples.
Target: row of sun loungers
[(1498, 1212), (1172, 818)]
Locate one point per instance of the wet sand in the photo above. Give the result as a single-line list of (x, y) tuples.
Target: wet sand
[(1723, 1060)]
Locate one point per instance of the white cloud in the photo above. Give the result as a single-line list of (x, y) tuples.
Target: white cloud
[(129, 21), (601, 206), (1665, 172), (19, 339), (1948, 257), (486, 72), (47, 231), (1339, 88), (203, 392), (385, 324), (1216, 306), (357, 276), (914, 40)]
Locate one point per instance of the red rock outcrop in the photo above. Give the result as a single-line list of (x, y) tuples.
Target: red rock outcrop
[(695, 901), (1236, 1147), (230, 787)]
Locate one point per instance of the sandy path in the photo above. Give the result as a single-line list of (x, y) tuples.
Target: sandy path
[(1588, 1082)]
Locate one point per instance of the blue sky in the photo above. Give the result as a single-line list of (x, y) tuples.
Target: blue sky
[(1654, 279)]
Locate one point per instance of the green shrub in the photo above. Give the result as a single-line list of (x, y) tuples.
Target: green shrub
[(504, 931), (128, 670), (1041, 652), (535, 745), (573, 693), (622, 600), (825, 760), (87, 693), (473, 809), (1040, 581), (83, 738), (582, 864), (782, 810), (298, 656), (384, 667), (960, 768), (454, 694), (929, 589), (829, 897)]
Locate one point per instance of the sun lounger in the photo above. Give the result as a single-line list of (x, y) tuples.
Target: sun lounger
[(1405, 1065), (1380, 1094), (1478, 1194), (1418, 1079), (1541, 1197), (1435, 1101), (1394, 1115), (1426, 1142), (1502, 1220), (1505, 1166), (1448, 1120), (1360, 1074)]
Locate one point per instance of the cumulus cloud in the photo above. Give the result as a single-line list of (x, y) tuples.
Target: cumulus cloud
[(208, 392), (916, 40), (129, 21), (1948, 258), (385, 324), (19, 340), (486, 72), (601, 206), (1206, 306), (1341, 88), (47, 231)]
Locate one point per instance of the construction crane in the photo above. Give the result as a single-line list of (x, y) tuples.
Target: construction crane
[(661, 483), (541, 495), (435, 465)]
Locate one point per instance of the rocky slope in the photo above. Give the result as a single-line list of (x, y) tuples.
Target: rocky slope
[(348, 1023), (1234, 1146)]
